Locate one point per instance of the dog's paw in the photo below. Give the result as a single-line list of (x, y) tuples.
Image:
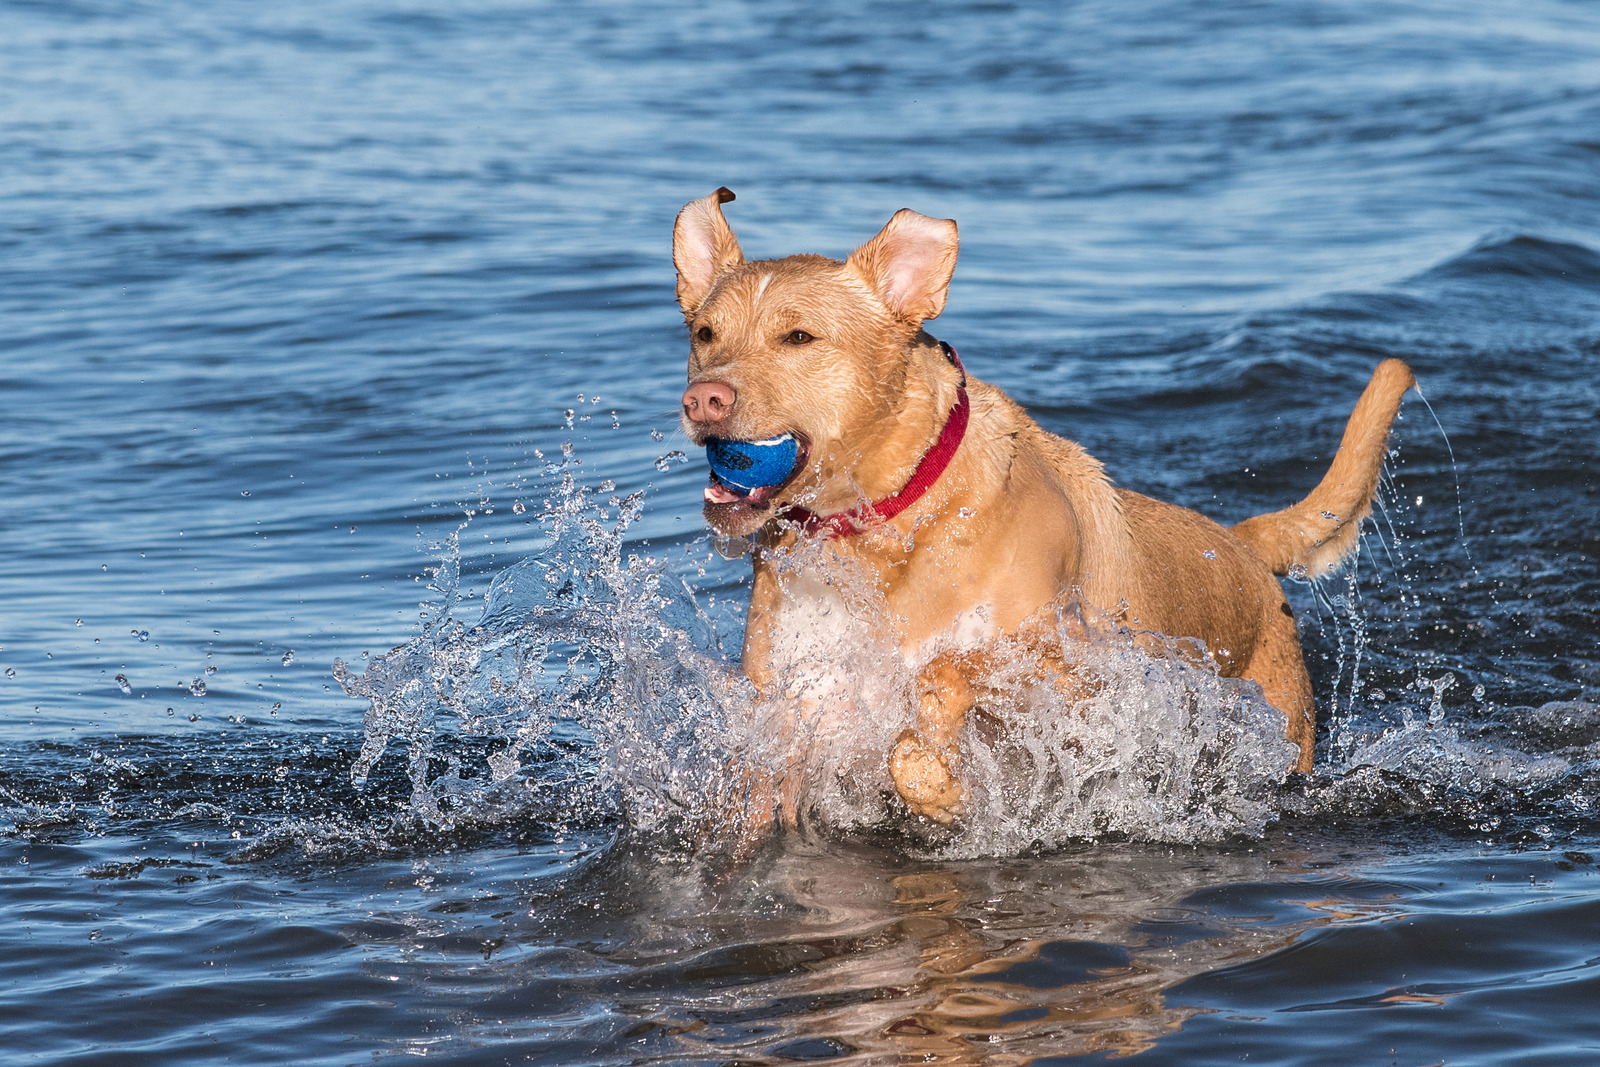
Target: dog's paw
[(921, 774)]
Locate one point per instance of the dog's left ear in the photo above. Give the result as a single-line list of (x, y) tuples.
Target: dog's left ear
[(909, 264)]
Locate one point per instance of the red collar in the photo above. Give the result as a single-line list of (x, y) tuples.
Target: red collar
[(849, 523)]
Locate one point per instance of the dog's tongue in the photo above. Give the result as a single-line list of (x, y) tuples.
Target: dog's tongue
[(717, 493)]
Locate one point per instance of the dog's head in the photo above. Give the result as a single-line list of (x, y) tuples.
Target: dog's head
[(804, 345)]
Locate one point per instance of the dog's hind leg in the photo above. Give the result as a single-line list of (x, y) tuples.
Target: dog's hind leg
[(1278, 666)]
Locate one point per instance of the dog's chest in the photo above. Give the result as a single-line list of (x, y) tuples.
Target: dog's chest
[(813, 623), (820, 625)]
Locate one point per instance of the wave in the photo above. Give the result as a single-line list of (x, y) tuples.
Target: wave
[(1520, 256)]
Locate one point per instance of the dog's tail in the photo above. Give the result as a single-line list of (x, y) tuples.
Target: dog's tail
[(1320, 531)]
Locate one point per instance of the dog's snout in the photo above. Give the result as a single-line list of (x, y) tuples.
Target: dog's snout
[(708, 401)]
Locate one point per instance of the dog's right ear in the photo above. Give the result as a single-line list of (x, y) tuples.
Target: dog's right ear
[(703, 246)]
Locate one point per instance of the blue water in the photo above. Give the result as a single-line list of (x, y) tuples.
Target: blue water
[(289, 293)]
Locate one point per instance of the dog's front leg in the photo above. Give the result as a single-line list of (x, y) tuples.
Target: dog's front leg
[(923, 757), (770, 796), (756, 657)]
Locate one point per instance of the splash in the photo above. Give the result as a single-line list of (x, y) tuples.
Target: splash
[(581, 681), (593, 685), (594, 688), (1414, 729)]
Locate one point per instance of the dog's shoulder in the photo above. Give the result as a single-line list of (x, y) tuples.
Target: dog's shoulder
[(1012, 437), (997, 415)]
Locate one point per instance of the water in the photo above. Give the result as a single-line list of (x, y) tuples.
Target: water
[(298, 305)]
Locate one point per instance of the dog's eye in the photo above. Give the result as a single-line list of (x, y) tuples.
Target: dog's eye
[(798, 337), (703, 335)]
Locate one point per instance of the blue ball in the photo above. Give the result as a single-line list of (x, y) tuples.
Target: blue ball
[(751, 465)]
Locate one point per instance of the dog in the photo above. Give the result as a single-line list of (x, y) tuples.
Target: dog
[(896, 446)]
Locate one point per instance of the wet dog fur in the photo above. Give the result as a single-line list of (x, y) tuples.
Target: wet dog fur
[(835, 352)]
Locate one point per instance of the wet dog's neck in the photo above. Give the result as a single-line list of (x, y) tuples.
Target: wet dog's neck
[(882, 459)]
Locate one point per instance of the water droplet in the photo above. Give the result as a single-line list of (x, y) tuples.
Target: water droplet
[(731, 547), (1378, 696), (1419, 501), (276, 705), (194, 718), (123, 683), (170, 711), (211, 668), (1330, 516), (1477, 692), (197, 688), (288, 657), (1298, 573), (567, 414), (142, 635), (665, 462), (1209, 554), (102, 566), (580, 398), (518, 508), (1439, 685), (966, 513), (607, 486), (244, 492), (77, 622), (657, 435), (11, 672)]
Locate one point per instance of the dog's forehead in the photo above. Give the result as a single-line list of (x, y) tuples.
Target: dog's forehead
[(774, 285)]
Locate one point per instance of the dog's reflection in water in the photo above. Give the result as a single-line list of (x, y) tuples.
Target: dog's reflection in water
[(994, 963), (984, 997)]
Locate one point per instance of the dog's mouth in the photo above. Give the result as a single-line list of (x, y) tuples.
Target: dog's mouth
[(737, 512)]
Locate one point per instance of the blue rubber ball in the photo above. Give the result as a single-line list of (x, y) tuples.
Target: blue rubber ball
[(750, 465)]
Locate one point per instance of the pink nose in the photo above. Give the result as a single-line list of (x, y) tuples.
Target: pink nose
[(708, 401)]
